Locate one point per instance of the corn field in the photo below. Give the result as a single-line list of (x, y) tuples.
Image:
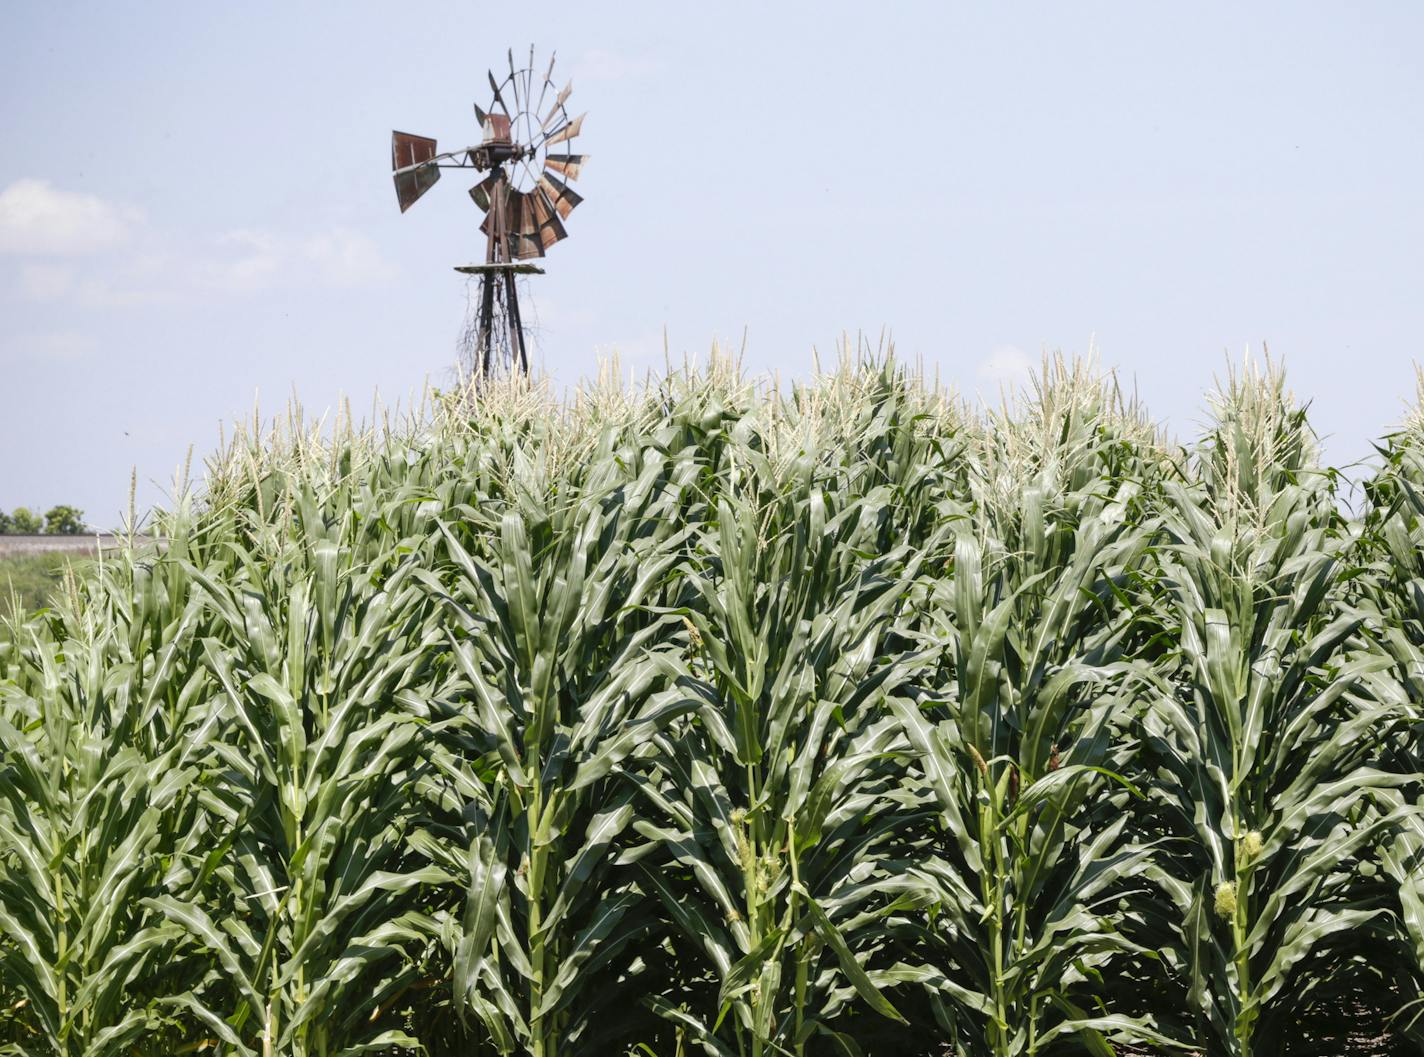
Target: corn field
[(718, 718)]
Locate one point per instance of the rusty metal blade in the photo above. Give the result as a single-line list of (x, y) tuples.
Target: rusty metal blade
[(564, 197), (411, 185), (526, 230), (566, 132), (569, 165), (541, 205), (551, 228), (552, 232), (408, 150), (481, 191), (522, 246), (558, 103), (524, 217)]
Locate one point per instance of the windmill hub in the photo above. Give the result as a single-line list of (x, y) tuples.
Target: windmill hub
[(525, 196)]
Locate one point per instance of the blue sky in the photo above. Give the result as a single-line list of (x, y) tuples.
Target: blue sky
[(196, 211)]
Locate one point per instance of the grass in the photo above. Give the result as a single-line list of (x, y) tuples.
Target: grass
[(28, 582)]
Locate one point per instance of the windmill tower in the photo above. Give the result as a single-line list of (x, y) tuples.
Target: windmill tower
[(525, 197)]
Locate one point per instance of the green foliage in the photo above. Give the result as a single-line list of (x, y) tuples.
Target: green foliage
[(29, 582), (64, 520), (1272, 730), (711, 718), (23, 522), (60, 520)]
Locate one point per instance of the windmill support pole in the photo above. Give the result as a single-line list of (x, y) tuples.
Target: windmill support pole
[(516, 325), (484, 347)]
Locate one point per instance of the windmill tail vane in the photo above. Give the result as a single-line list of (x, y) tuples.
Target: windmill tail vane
[(525, 156)]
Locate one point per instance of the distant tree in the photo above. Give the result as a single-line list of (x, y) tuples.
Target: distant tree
[(25, 522), (63, 520), (7, 524)]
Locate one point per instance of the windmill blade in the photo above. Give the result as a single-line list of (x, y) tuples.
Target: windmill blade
[(566, 132), (552, 232), (564, 197), (541, 208), (523, 222), (523, 247), (551, 228), (481, 192), (406, 151), (521, 239), (515, 83), (524, 240), (567, 165), (524, 219), (548, 80), (558, 104), (480, 115), (497, 97), (511, 212)]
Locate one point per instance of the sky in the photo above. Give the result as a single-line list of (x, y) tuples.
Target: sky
[(197, 218)]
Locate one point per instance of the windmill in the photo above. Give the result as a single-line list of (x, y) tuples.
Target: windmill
[(525, 196)]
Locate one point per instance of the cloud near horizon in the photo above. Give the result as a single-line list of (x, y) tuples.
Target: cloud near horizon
[(37, 218), (129, 263)]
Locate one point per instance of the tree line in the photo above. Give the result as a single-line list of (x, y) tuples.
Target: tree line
[(60, 520)]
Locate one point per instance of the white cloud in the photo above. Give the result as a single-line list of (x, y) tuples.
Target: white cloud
[(1007, 365), (37, 218), (251, 260), (236, 264)]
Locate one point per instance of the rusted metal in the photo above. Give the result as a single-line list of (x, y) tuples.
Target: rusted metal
[(481, 192), (411, 162), (520, 222), (565, 132), (559, 101), (496, 129), (547, 223), (552, 231), (567, 165), (564, 197)]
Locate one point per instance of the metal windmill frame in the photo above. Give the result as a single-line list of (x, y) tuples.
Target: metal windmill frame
[(525, 197)]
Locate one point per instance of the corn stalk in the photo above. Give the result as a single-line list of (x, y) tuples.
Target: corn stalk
[(1270, 731), (560, 679)]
